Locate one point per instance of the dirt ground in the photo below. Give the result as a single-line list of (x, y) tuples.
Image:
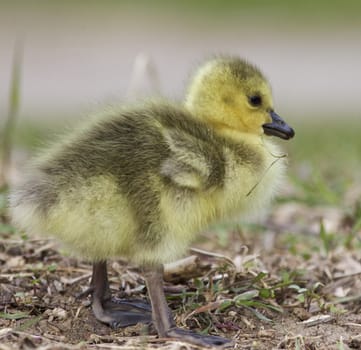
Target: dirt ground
[(284, 284)]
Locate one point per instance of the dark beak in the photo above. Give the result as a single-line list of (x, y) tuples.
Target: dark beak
[(278, 128)]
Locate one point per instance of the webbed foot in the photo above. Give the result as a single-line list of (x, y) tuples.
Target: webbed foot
[(115, 312), (122, 313), (163, 320), (199, 339)]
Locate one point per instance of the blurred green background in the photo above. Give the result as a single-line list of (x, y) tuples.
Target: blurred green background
[(80, 56)]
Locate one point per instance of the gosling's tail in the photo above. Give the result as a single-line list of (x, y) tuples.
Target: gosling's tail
[(29, 204)]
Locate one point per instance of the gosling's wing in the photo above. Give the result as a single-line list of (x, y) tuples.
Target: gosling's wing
[(193, 163)]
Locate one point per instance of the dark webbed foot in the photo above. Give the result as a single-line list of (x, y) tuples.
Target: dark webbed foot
[(119, 313), (199, 339), (115, 312), (163, 320)]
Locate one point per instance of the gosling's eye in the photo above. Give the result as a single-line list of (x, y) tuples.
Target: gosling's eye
[(255, 100)]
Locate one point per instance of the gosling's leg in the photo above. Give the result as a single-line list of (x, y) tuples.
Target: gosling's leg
[(116, 313), (163, 320)]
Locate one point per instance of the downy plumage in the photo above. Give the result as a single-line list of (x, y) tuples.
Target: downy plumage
[(140, 183)]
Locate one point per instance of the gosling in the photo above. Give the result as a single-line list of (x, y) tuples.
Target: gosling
[(140, 183)]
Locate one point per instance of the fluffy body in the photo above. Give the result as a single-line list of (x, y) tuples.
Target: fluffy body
[(147, 181), (141, 183)]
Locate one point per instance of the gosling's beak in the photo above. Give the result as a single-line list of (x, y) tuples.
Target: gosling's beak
[(278, 128)]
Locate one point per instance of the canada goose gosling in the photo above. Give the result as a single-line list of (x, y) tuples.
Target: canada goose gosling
[(141, 182)]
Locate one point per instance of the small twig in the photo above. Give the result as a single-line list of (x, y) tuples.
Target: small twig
[(5, 331), (346, 299), (277, 158), (352, 324), (315, 320), (352, 274), (52, 337), (71, 281), (204, 308), (185, 269), (356, 336), (12, 275), (214, 255), (77, 313)]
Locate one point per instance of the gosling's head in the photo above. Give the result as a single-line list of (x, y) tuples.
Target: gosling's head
[(231, 94)]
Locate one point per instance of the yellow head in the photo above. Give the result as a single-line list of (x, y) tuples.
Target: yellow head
[(231, 94)]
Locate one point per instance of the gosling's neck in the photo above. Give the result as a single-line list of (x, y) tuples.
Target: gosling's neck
[(225, 131)]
